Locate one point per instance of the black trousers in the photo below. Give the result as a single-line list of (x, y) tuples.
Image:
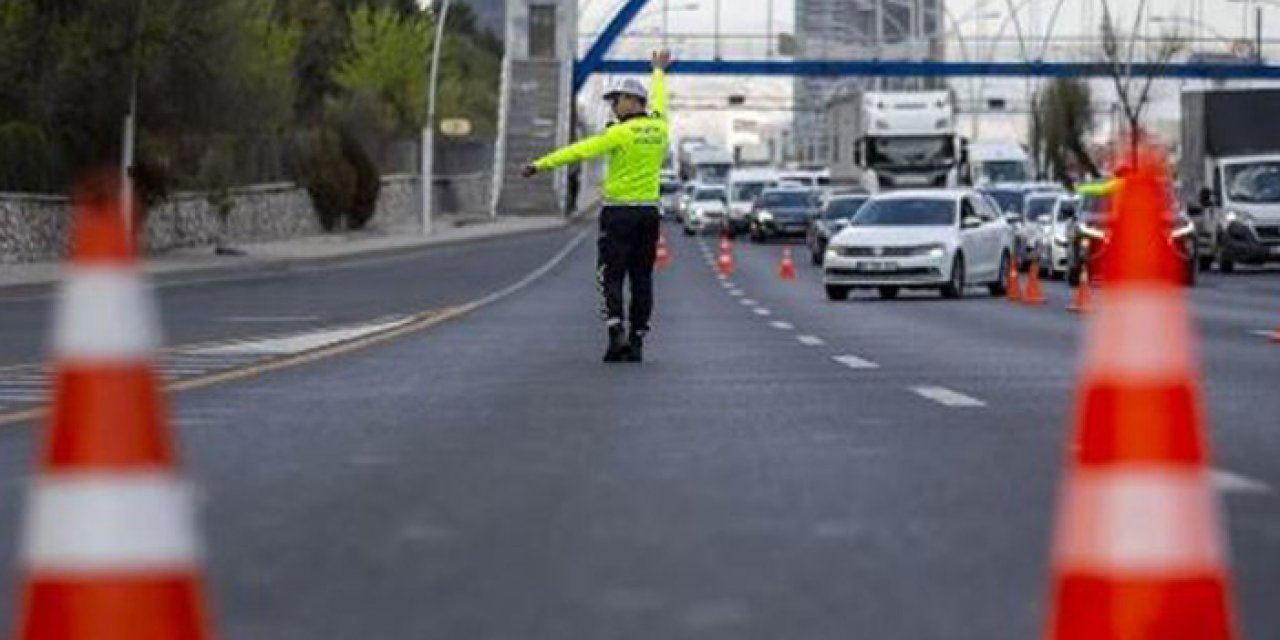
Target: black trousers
[(627, 248)]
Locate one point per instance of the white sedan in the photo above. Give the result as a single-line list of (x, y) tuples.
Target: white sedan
[(939, 239), (708, 208)]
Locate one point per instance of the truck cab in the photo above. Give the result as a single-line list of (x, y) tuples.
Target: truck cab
[(1229, 174), (997, 163), (907, 140)]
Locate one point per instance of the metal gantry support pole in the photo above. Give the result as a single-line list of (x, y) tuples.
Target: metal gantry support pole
[(129, 136), (429, 128)]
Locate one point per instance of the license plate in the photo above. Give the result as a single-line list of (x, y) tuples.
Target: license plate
[(878, 266)]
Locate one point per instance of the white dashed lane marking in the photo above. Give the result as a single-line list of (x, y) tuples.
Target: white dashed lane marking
[(811, 341), (854, 362), (1228, 482), (947, 397), (737, 294), (782, 326), (763, 312), (301, 342), (748, 302), (1270, 335)]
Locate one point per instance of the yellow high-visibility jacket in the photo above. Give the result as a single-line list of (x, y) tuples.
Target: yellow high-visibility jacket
[(636, 149)]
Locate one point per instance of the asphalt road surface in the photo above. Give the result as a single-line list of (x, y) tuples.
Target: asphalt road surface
[(782, 467)]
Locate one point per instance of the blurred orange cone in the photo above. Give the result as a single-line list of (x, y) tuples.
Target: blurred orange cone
[(787, 270), (725, 263), (109, 546), (726, 244), (1138, 552), (663, 258), (1014, 293), (1080, 303), (1034, 295)]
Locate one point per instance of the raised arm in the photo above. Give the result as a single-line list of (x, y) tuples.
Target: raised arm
[(658, 85)]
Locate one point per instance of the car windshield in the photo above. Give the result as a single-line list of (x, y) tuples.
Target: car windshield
[(907, 212), (843, 208), (786, 199), (1005, 171), (748, 191), (1010, 201), (709, 194), (1254, 183), (1037, 207)]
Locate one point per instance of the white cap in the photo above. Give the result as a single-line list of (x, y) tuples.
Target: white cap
[(629, 86)]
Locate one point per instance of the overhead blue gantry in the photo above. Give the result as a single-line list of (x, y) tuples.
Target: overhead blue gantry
[(594, 62)]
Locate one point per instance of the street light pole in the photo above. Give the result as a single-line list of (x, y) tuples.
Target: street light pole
[(130, 134), (429, 129)]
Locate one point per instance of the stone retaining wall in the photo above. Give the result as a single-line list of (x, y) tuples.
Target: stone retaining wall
[(34, 228)]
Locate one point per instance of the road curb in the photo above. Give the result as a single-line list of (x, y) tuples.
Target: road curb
[(256, 267)]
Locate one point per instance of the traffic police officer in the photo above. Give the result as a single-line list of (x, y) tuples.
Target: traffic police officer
[(636, 146)]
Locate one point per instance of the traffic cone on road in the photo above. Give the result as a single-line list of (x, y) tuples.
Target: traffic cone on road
[(787, 269), (1034, 294), (1014, 293), (726, 245), (725, 263), (109, 546), (1138, 552), (663, 257), (1080, 303)]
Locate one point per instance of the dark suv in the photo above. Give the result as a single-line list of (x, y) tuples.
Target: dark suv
[(834, 218), (1090, 235), (783, 212)]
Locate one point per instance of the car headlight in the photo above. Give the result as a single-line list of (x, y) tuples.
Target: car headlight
[(1185, 230), (1060, 239), (764, 216), (932, 250), (1092, 232), (831, 254), (1232, 217)]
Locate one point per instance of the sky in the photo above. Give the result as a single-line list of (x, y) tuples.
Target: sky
[(1213, 22)]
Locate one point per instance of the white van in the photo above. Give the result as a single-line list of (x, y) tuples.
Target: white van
[(998, 163)]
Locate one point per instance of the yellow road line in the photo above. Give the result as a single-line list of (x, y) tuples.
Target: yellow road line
[(419, 322)]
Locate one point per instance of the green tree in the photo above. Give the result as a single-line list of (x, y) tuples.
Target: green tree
[(1063, 121), (384, 64)]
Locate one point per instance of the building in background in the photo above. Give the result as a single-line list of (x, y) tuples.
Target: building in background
[(490, 14), (856, 29)]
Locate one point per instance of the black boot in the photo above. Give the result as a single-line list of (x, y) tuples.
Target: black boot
[(635, 347), (618, 350)]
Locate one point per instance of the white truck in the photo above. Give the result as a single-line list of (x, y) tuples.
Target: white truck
[(708, 164), (1229, 174), (745, 185), (907, 140), (997, 163)]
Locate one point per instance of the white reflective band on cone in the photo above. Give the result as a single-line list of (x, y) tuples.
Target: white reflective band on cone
[(105, 313), (1140, 522), (1140, 334), (110, 523)]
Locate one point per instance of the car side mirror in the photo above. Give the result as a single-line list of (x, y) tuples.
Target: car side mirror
[(1013, 218), (1207, 199), (1195, 209), (971, 222)]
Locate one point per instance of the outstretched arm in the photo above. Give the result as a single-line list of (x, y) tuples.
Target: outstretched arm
[(592, 147)]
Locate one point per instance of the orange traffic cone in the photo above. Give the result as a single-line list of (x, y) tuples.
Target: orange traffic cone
[(726, 245), (663, 258), (1014, 293), (1080, 303), (1034, 295), (725, 263), (109, 548), (787, 270), (1138, 552)]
